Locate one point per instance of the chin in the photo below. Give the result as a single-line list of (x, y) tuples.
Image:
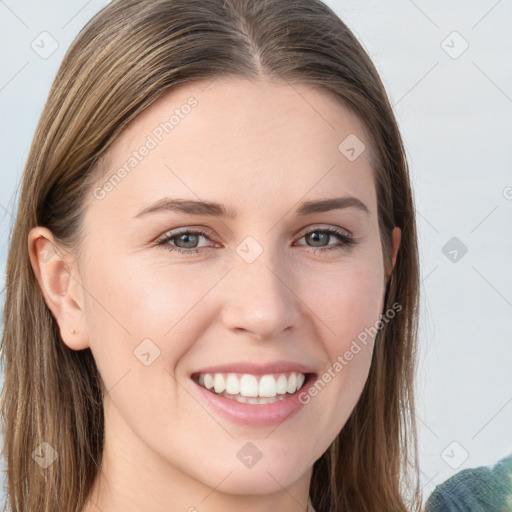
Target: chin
[(249, 482), (260, 479)]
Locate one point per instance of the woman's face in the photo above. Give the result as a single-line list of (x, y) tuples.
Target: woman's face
[(254, 295)]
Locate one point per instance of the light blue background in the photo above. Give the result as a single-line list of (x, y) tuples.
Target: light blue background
[(456, 119)]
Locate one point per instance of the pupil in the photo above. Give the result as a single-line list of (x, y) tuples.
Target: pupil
[(187, 236)]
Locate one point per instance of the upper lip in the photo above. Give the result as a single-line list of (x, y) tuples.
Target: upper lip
[(257, 369)]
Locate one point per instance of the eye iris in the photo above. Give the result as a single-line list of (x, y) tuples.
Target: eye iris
[(318, 234), (187, 238)]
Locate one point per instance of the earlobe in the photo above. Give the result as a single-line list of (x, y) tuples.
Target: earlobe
[(61, 290)]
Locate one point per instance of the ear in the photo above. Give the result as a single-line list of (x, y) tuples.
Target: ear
[(396, 235), (59, 282)]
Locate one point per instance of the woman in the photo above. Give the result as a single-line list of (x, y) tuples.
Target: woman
[(212, 282)]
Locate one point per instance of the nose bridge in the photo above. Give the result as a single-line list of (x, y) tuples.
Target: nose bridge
[(260, 298)]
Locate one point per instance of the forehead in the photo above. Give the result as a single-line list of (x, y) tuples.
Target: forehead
[(232, 138)]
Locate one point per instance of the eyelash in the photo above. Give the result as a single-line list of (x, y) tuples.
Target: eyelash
[(346, 240)]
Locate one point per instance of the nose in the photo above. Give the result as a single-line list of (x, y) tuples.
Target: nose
[(261, 299)]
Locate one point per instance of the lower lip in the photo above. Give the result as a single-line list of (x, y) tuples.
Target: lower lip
[(253, 414)]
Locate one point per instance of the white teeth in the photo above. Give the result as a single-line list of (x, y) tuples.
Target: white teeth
[(292, 383), (208, 381), (232, 384), (247, 387), (245, 400), (281, 385), (219, 383), (267, 386)]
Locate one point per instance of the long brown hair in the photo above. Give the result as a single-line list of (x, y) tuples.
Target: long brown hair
[(127, 56)]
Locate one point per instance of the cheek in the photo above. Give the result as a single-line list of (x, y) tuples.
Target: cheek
[(141, 322), (134, 309), (348, 299), (349, 306)]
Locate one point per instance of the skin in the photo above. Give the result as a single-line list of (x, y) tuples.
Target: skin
[(260, 148)]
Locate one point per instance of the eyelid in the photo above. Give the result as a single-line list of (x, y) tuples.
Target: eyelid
[(345, 240), (173, 233), (322, 227), (207, 232)]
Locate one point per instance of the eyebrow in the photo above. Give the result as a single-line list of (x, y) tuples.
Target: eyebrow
[(218, 210)]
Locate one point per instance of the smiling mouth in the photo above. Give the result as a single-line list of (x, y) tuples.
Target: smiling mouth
[(253, 389)]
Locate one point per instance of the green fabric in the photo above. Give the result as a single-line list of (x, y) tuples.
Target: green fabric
[(481, 489)]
